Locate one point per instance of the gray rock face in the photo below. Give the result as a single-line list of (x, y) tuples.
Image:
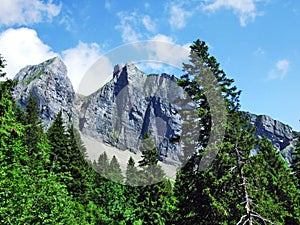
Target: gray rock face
[(125, 108), (280, 134), (48, 82), (132, 103)]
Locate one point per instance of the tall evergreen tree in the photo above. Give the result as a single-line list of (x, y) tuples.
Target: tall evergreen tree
[(202, 81), (77, 166), (296, 160), (59, 148), (273, 191), (102, 165), (34, 132), (154, 197), (132, 178), (149, 151), (115, 172)]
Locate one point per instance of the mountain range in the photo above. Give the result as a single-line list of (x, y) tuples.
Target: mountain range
[(118, 115)]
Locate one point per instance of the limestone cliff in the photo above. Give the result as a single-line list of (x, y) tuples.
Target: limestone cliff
[(121, 111)]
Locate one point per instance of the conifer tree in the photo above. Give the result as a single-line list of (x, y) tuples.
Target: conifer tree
[(210, 196), (275, 198), (58, 140), (77, 165), (296, 161), (132, 178), (154, 197), (102, 165), (149, 151), (34, 133), (115, 172)]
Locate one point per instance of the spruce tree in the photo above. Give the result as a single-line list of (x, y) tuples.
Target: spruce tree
[(296, 161), (132, 178), (115, 172), (202, 82), (59, 149), (77, 165), (275, 198), (102, 165), (149, 151), (154, 197)]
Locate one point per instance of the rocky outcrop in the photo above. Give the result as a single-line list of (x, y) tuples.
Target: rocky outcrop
[(48, 82), (132, 103), (121, 111), (281, 135)]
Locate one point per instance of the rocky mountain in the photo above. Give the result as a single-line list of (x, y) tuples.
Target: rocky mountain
[(49, 83), (121, 111), (281, 135), (131, 104)]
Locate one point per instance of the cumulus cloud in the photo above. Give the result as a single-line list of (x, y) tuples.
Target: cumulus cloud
[(281, 70), (162, 54), (178, 16), (149, 23), (20, 12), (134, 26), (127, 22), (245, 9), (79, 59), (22, 47)]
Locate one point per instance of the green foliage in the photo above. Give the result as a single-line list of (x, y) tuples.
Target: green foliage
[(275, 195), (115, 173), (102, 165), (45, 178), (296, 160), (149, 151), (132, 176)]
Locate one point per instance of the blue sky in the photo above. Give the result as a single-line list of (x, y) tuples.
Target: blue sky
[(257, 42)]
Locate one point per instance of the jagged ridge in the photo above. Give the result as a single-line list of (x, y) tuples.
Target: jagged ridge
[(125, 108)]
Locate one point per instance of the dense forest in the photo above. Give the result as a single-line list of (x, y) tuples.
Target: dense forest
[(46, 179)]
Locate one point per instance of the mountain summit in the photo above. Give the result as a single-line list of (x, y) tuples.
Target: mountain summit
[(123, 110), (51, 86)]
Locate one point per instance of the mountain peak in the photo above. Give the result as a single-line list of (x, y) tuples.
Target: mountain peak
[(49, 83), (54, 67), (128, 72)]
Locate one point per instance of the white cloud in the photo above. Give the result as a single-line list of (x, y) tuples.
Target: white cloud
[(20, 12), (79, 59), (281, 70), (107, 5), (245, 9), (22, 47), (127, 22), (163, 53), (149, 23), (178, 16)]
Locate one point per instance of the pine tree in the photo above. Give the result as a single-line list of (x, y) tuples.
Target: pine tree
[(132, 178), (59, 148), (204, 82), (102, 165), (149, 151), (115, 172), (275, 197), (34, 133), (77, 165), (154, 195), (296, 161)]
